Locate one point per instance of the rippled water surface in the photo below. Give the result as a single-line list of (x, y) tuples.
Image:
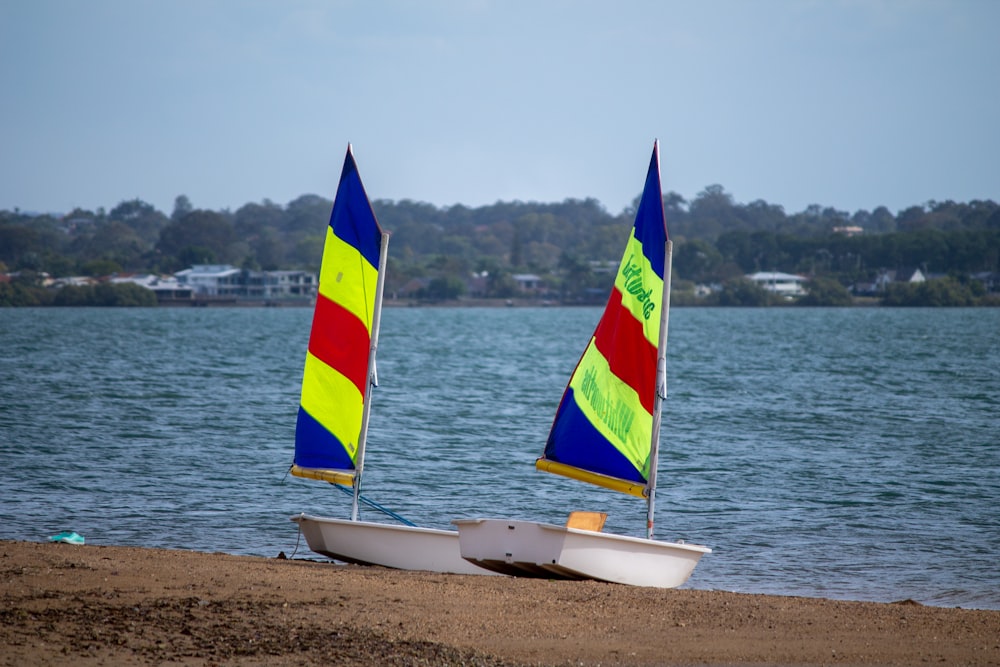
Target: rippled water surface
[(843, 453)]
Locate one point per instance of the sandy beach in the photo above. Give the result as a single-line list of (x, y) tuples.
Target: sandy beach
[(91, 605)]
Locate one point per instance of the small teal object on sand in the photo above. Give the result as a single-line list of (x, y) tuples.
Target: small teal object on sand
[(67, 536)]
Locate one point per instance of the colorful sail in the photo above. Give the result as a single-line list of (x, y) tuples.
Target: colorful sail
[(329, 433), (604, 428)]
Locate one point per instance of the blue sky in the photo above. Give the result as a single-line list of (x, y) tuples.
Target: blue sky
[(844, 103)]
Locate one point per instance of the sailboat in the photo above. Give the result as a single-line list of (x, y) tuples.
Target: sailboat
[(335, 406), (606, 432)]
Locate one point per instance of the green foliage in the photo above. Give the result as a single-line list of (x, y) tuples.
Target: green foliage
[(124, 294), (142, 219), (569, 244), (19, 295), (500, 284), (698, 260), (200, 237), (444, 289), (28, 278), (104, 294), (744, 292), (940, 292), (74, 295), (682, 293), (182, 206), (195, 254), (100, 267), (825, 292)]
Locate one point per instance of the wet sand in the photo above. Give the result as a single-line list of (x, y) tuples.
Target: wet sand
[(91, 605)]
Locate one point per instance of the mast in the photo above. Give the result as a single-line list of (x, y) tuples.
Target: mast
[(661, 389), (372, 374)]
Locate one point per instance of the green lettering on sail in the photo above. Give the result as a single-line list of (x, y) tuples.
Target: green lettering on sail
[(632, 273), (613, 412)]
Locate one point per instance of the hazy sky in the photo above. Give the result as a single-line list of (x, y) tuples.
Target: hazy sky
[(844, 103)]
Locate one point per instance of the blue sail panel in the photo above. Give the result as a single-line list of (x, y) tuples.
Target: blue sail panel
[(352, 218), (650, 223), (575, 441), (317, 448)]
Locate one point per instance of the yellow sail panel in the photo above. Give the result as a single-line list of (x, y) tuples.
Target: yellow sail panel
[(612, 407), (347, 278), (341, 477), (342, 417), (613, 483), (641, 289)]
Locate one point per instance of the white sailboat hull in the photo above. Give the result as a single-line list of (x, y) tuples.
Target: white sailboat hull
[(531, 549), (399, 547)]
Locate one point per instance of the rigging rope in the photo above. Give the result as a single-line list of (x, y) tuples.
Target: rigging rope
[(375, 505)]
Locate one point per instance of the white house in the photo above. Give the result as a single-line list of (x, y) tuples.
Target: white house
[(886, 277), (527, 282), (785, 284), (211, 279), (166, 288), (293, 283), (225, 280)]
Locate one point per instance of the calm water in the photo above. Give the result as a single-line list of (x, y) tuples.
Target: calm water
[(851, 454)]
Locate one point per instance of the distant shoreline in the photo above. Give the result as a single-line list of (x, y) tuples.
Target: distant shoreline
[(226, 302), (863, 302)]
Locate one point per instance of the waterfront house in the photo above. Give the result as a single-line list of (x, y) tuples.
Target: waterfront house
[(784, 284), (211, 279), (227, 281)]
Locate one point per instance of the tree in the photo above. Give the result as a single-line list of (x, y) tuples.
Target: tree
[(123, 294), (259, 225), (445, 288), (825, 292), (196, 254), (697, 260), (674, 209), (142, 218), (182, 207), (19, 295), (114, 241), (200, 233), (939, 292), (882, 221), (500, 284), (576, 276), (759, 215), (912, 218), (712, 211), (105, 294), (744, 292), (100, 267)]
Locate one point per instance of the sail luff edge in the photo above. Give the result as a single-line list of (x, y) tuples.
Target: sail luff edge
[(661, 391), (372, 349)]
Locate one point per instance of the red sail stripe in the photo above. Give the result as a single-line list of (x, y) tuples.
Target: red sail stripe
[(340, 352), (620, 339)]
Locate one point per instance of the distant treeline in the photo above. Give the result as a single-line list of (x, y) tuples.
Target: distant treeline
[(716, 241), (20, 293)]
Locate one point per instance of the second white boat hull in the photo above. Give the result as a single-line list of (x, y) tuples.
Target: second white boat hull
[(399, 547), (531, 549)]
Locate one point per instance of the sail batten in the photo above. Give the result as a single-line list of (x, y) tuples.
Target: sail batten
[(339, 364), (341, 477), (613, 483), (605, 428)]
